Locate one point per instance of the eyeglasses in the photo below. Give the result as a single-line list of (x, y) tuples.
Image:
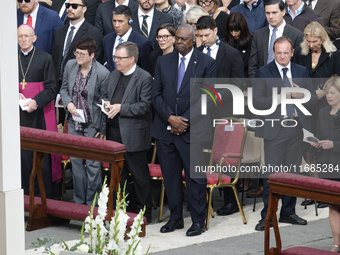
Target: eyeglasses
[(162, 37), (206, 3), (26, 1), (74, 6), (119, 58), (79, 54)]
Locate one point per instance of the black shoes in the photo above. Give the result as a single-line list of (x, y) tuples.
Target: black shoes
[(228, 209), (293, 219), (172, 225), (260, 226), (196, 229)]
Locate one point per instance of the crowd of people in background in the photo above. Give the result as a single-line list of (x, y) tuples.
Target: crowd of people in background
[(136, 57)]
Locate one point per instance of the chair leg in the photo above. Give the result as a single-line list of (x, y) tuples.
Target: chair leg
[(316, 208), (240, 206), (161, 202), (210, 210), (63, 179), (257, 187)]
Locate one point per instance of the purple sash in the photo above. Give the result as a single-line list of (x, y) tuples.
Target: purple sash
[(30, 91)]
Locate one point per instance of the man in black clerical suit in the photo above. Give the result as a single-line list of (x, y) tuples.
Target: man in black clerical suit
[(104, 14), (38, 82), (66, 37), (171, 98), (129, 119), (229, 64), (121, 18), (283, 139), (90, 15), (147, 19)]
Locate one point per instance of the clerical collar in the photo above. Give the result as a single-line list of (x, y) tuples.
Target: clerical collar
[(130, 71), (27, 52)]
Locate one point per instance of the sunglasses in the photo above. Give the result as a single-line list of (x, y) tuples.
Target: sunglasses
[(74, 6), (26, 1)]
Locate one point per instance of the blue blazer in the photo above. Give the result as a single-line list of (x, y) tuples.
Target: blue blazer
[(165, 96), (47, 23), (262, 97), (144, 49)]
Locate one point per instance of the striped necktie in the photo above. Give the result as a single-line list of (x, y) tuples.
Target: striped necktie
[(145, 30)]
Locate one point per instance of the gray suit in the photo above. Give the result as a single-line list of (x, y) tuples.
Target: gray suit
[(134, 132), (329, 10), (259, 48), (86, 181)]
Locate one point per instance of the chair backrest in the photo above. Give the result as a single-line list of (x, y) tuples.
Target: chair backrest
[(229, 139), (252, 149)]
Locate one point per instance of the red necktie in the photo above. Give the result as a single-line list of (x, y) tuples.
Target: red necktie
[(29, 20)]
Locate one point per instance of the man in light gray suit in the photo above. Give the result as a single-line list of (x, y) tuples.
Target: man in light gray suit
[(129, 119), (262, 44)]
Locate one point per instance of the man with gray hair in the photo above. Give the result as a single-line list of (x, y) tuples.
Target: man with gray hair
[(171, 98), (129, 119)]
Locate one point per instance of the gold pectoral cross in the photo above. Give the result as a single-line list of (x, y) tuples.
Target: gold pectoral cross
[(23, 83)]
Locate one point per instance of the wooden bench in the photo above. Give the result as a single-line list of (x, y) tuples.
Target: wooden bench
[(45, 212), (297, 186), (71, 211)]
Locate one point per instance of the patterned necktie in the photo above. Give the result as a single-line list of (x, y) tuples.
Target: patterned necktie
[(208, 51), (29, 20), (181, 72), (271, 44), (145, 31), (67, 49), (290, 108), (120, 40)]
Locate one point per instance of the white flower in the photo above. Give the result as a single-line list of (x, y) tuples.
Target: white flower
[(84, 248)]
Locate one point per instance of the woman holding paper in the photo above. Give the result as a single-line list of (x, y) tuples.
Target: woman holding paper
[(328, 131), (84, 86)]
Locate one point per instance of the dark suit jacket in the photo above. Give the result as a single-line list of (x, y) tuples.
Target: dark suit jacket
[(104, 15), (165, 96), (85, 30), (263, 95), (229, 64), (159, 18), (90, 14), (47, 23), (325, 131), (330, 13), (135, 113), (259, 48), (144, 48), (97, 90)]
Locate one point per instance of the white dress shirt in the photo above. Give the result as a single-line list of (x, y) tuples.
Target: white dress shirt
[(279, 31), (148, 20), (33, 14), (76, 27), (187, 58)]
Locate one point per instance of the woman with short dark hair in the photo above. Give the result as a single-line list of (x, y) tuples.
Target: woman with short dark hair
[(84, 86)]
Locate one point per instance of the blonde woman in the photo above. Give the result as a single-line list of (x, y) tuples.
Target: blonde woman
[(191, 18)]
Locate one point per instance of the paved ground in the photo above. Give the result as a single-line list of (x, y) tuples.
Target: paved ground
[(227, 234)]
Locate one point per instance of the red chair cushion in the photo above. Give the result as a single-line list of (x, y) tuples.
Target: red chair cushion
[(155, 170), (305, 251), (306, 181), (105, 165), (212, 178), (64, 157)]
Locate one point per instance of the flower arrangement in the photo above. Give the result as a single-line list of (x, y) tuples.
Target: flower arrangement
[(108, 238)]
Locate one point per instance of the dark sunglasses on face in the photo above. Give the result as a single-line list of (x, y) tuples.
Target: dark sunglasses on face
[(27, 1), (74, 6)]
